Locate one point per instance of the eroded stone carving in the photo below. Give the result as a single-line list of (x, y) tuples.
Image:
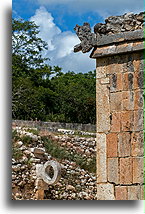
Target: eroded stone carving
[(113, 25), (86, 37), (118, 24)]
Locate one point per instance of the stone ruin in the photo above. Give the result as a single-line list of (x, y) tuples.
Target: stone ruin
[(118, 47), (113, 25)]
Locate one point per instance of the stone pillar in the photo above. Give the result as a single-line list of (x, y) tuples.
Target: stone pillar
[(119, 100)]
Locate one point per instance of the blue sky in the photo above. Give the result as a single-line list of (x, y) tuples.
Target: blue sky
[(57, 18)]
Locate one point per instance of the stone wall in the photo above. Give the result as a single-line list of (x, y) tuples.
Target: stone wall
[(30, 149), (119, 98), (55, 126)]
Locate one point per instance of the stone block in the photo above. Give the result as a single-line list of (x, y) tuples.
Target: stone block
[(105, 80), (138, 170), (137, 144), (115, 122), (124, 144), (137, 46), (139, 78), (138, 99), (103, 108), (133, 35), (124, 47), (126, 173), (127, 120), (100, 72), (114, 65), (101, 68), (105, 192), (116, 101), (134, 193), (142, 195), (116, 83), (101, 158), (112, 139), (138, 120), (121, 193), (113, 167), (128, 100), (128, 80)]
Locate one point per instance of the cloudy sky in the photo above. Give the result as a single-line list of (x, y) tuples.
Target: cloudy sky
[(57, 18)]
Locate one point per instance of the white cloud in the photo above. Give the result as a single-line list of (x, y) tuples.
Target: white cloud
[(60, 44), (103, 7)]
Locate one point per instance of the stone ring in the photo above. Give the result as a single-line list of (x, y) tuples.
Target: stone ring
[(46, 170)]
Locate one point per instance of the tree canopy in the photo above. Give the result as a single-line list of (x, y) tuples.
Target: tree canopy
[(44, 92)]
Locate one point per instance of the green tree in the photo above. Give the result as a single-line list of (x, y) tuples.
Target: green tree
[(26, 44), (76, 97)]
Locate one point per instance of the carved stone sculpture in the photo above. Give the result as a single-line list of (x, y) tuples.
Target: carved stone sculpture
[(86, 37)]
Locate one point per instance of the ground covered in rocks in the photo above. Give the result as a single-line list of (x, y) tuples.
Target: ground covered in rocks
[(75, 153)]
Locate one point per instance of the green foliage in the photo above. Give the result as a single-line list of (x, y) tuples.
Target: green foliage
[(16, 153), (26, 140), (26, 44), (61, 153), (46, 93)]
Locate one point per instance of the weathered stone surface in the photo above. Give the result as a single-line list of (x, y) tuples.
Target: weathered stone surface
[(101, 158), (113, 175), (138, 120), (134, 193), (135, 35), (116, 101), (138, 166), (127, 120), (126, 174), (112, 142), (124, 145), (118, 24), (86, 37), (142, 188), (105, 80), (108, 39), (121, 193), (128, 100), (138, 99), (115, 122), (137, 46), (103, 108), (105, 192), (137, 144), (101, 68), (116, 82), (128, 79)]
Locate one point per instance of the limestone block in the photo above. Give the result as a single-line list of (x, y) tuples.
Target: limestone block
[(116, 101), (138, 167), (105, 192), (124, 144), (126, 173), (127, 120), (115, 122), (121, 193), (128, 100), (142, 196), (138, 120), (102, 108), (138, 99), (137, 144), (113, 175), (128, 80), (116, 83), (112, 142), (101, 159), (133, 192)]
